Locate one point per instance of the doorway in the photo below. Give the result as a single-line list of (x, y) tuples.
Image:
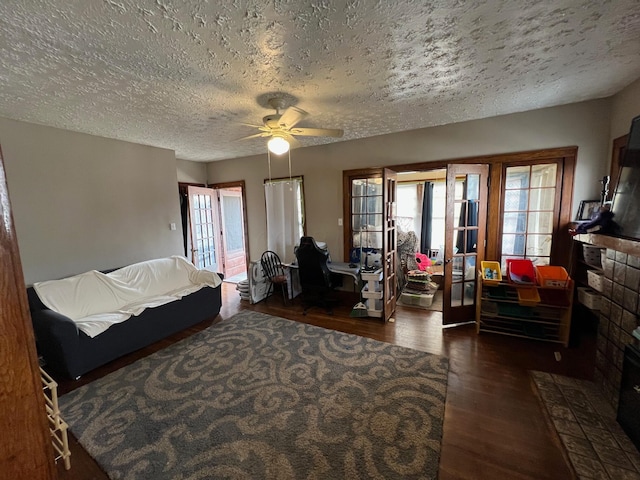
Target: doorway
[(420, 219), (441, 217), (217, 229), (548, 210)]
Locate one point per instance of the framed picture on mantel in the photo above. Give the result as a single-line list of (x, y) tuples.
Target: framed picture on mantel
[(587, 209)]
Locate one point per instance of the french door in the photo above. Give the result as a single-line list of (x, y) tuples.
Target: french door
[(465, 234), (205, 229), (389, 243), (232, 240), (218, 228)]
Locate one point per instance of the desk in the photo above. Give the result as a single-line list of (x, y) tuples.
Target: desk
[(343, 268)]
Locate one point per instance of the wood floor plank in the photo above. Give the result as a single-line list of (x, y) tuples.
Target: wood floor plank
[(494, 426)]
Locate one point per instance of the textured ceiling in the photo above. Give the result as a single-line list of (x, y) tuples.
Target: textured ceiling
[(185, 75)]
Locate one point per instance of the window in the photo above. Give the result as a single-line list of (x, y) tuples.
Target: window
[(366, 212), (530, 212)]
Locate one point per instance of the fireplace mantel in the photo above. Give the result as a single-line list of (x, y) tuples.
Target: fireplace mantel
[(631, 247)]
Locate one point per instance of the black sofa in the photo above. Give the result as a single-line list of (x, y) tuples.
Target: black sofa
[(72, 353)]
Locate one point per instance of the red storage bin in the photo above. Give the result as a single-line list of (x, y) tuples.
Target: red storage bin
[(521, 271)]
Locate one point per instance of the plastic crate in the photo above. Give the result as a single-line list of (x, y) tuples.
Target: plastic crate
[(552, 276), (592, 255), (589, 298), (594, 279), (521, 271), (528, 297), (491, 272), (423, 300)]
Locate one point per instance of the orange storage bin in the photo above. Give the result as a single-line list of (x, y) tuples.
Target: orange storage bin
[(521, 271), (552, 276), (528, 296)]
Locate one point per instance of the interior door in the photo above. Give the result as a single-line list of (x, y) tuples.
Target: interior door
[(465, 234), (232, 238), (389, 246), (205, 229)]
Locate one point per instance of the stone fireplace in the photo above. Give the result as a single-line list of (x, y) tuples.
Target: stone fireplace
[(619, 310)]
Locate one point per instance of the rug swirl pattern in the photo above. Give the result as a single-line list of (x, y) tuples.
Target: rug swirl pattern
[(261, 397)]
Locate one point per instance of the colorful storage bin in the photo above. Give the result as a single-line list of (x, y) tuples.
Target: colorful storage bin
[(491, 272), (552, 276), (521, 271)]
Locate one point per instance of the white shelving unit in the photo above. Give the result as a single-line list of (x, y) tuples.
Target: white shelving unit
[(372, 292), (57, 426)]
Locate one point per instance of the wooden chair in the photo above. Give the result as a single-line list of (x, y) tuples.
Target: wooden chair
[(275, 272)]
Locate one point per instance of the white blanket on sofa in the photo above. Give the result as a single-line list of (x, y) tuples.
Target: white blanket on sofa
[(95, 300)]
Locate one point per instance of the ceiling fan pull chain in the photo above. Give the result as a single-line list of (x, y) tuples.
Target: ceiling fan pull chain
[(289, 167), (269, 162)]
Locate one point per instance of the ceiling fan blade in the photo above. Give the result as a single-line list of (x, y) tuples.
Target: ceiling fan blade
[(293, 143), (256, 135), (317, 132), (262, 128), (291, 117)]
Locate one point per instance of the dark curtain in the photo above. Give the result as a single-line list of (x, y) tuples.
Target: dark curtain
[(427, 217), (469, 218), (184, 213)]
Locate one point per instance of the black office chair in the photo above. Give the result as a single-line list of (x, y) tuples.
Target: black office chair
[(315, 277), (275, 272)]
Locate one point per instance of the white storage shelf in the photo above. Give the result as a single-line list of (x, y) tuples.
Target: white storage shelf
[(372, 292), (377, 293)]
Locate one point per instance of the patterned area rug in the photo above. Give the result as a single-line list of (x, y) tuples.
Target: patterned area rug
[(261, 397)]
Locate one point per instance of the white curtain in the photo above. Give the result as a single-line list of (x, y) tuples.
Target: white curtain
[(284, 204)]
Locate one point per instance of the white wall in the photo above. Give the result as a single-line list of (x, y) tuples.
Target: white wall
[(83, 202), (586, 125)]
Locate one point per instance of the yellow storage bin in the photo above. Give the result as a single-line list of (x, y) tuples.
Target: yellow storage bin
[(491, 272)]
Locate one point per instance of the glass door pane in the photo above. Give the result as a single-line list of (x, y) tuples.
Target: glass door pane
[(529, 212)]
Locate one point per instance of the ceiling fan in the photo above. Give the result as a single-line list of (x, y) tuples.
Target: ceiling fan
[(281, 127)]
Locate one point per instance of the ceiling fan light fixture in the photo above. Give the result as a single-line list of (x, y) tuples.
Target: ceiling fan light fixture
[(278, 145)]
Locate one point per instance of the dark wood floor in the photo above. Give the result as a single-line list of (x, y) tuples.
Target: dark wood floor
[(494, 427)]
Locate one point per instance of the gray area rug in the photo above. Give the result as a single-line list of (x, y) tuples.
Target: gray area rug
[(261, 397)]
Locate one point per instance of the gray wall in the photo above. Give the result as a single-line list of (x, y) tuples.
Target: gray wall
[(82, 202), (586, 125), (624, 107), (191, 172)]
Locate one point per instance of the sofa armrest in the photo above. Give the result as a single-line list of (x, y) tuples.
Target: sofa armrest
[(58, 340)]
